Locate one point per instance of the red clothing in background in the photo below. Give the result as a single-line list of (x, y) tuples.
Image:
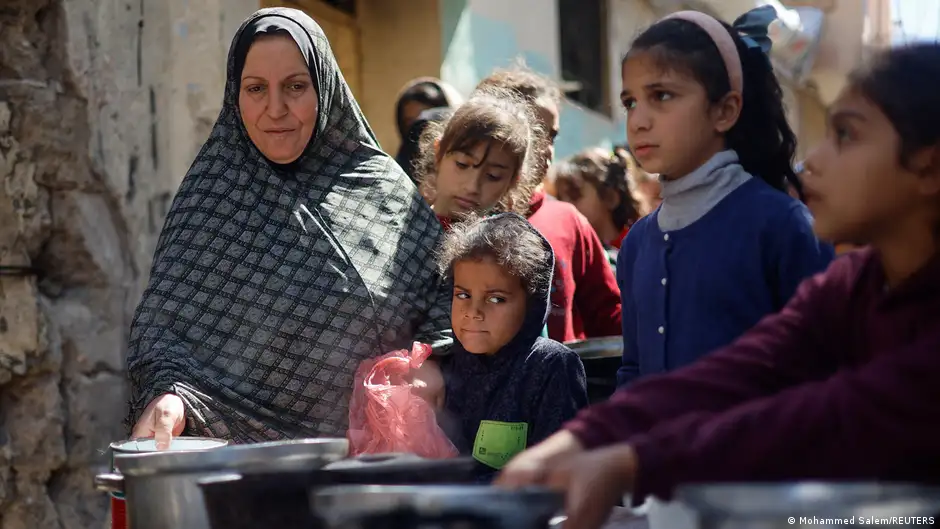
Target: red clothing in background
[(445, 223), (585, 297), (623, 235), (842, 384)]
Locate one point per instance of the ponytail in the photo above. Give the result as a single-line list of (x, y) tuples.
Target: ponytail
[(762, 136)]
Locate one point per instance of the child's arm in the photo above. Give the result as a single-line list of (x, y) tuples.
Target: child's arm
[(793, 251), (560, 398), (878, 421), (783, 349)]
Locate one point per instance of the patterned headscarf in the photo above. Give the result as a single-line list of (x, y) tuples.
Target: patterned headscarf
[(271, 283)]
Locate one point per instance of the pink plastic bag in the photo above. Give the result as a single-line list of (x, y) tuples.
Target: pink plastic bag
[(385, 416)]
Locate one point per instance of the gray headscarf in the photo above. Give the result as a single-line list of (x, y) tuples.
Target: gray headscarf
[(271, 283)]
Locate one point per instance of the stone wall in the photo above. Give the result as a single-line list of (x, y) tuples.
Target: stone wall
[(103, 104)]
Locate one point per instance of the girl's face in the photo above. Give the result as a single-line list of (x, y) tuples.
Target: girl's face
[(593, 206), (549, 120), (672, 128), (475, 180), (489, 306), (853, 182), (277, 99)]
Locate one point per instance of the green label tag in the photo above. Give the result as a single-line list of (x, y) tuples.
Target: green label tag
[(497, 442)]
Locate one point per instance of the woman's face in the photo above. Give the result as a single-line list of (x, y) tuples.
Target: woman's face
[(277, 99), (409, 114)]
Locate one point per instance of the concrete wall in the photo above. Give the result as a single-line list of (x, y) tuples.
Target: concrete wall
[(400, 41), (102, 105), (480, 35)]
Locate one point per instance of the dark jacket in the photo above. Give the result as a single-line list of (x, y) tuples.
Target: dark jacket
[(531, 380)]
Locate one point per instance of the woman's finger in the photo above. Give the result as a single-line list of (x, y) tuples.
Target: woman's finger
[(164, 421), (144, 426)]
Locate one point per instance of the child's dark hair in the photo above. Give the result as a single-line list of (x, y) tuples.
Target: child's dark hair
[(762, 137), (607, 172), (507, 239), (490, 115), (902, 82), (427, 93)]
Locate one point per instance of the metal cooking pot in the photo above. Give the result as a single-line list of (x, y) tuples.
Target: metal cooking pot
[(436, 506), (161, 487), (281, 499), (602, 358), (816, 505), (132, 446)]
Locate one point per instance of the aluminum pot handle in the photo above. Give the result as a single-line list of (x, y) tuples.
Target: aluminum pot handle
[(109, 482)]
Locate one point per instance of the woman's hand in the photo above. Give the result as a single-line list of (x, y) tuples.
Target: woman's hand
[(163, 419), (427, 382), (533, 466), (594, 483)]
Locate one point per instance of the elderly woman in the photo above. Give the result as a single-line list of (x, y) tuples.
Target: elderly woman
[(294, 249)]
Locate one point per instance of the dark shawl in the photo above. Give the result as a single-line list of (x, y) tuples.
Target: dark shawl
[(531, 379), (271, 283)]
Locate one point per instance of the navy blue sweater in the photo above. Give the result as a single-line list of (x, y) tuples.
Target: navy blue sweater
[(531, 380), (690, 291)]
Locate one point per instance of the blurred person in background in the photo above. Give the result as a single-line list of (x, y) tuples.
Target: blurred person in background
[(644, 187), (595, 181), (422, 101)]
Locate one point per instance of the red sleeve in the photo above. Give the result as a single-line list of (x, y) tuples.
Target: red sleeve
[(877, 421), (596, 294), (781, 350)]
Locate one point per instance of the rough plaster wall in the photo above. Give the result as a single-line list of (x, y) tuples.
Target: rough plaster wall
[(102, 106), (385, 48)]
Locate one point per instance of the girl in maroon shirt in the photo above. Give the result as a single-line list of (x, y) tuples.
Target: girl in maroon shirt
[(842, 384)]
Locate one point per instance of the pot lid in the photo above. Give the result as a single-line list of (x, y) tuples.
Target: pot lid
[(398, 469), (338, 505), (592, 348), (300, 454), (869, 500), (149, 444)]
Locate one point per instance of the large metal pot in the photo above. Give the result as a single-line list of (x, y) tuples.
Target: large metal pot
[(816, 505), (602, 358), (161, 487), (281, 499), (132, 446), (432, 507)]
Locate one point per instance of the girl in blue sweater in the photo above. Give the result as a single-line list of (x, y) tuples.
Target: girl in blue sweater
[(728, 245)]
